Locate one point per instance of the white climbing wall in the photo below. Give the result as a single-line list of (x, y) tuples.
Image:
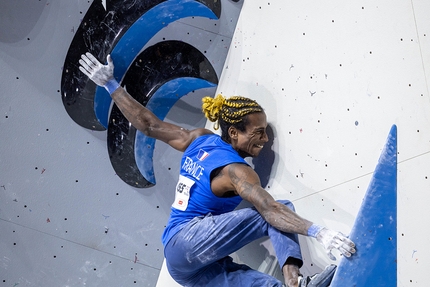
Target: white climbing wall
[(334, 77)]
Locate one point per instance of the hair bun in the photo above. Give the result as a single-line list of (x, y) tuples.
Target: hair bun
[(212, 106)]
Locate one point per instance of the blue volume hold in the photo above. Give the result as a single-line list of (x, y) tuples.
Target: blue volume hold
[(137, 37), (375, 228)]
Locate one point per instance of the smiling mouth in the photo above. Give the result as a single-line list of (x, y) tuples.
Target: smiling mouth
[(259, 145)]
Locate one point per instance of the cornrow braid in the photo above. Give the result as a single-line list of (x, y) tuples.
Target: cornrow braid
[(229, 112)]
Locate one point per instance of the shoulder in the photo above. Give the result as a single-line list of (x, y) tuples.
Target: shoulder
[(186, 137), (196, 133), (239, 176), (247, 185), (239, 173), (232, 177)]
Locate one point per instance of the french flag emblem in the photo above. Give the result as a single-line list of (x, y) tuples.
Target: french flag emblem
[(202, 155)]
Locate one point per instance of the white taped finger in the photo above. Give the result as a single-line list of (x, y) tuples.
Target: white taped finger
[(85, 66), (345, 239), (336, 244), (110, 61), (92, 59), (84, 71), (86, 60), (344, 251), (349, 248)]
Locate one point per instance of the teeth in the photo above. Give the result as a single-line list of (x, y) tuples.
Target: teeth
[(259, 145)]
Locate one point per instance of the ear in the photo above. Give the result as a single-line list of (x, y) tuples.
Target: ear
[(233, 133)]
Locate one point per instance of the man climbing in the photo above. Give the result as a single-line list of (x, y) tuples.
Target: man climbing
[(204, 227)]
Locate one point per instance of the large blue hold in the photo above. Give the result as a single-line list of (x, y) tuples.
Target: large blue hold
[(137, 36), (375, 228)]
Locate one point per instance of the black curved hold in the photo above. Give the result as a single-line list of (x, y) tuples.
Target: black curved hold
[(155, 66), (98, 34)]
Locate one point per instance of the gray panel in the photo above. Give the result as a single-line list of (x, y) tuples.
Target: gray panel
[(66, 219), (33, 258)]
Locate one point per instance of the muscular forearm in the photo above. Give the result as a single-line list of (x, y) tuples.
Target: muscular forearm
[(247, 185), (282, 218), (138, 115), (148, 123)]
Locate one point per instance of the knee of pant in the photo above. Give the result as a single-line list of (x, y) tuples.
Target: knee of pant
[(287, 203)]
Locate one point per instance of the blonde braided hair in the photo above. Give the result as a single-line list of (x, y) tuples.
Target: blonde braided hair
[(232, 110)]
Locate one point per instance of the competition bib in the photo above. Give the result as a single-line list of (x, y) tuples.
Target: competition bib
[(182, 194)]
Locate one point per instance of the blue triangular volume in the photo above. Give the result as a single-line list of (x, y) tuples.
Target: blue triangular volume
[(375, 228)]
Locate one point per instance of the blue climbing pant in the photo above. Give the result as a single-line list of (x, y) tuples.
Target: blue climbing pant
[(198, 255)]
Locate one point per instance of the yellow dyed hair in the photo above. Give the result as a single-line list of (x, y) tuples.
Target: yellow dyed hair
[(231, 110)]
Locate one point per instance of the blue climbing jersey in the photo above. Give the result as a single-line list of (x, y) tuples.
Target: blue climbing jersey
[(193, 195)]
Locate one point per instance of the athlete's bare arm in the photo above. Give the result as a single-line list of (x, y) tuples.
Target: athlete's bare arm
[(245, 182), (247, 185), (138, 115), (149, 124)]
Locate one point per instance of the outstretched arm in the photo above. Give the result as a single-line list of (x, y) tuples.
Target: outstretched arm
[(138, 115), (149, 124), (247, 185)]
